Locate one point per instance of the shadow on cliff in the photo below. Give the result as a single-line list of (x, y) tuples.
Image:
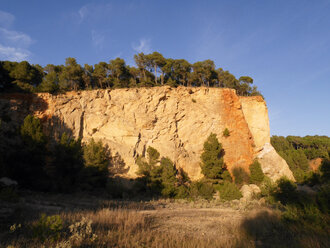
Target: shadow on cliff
[(55, 163), (26, 156)]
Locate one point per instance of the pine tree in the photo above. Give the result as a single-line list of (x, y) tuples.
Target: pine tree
[(212, 158), (256, 174)]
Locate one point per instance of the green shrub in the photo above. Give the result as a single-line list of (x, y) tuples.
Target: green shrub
[(30, 159), (226, 133), (96, 161), (286, 191), (143, 167), (212, 158), (67, 163), (164, 179), (323, 198), (256, 173), (228, 191), (267, 187), (312, 178), (48, 227), (168, 177), (226, 176), (240, 176), (153, 155), (201, 189), (325, 171), (307, 215), (182, 192)]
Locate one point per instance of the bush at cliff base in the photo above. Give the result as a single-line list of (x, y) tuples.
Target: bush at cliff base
[(240, 176), (201, 190), (212, 158), (228, 191), (256, 173)]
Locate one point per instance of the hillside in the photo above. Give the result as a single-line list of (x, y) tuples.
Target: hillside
[(175, 121)]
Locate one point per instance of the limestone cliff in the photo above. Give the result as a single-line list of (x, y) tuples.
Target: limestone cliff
[(175, 121)]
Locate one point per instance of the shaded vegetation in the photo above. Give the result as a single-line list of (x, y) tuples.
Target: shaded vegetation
[(298, 150), (256, 174), (240, 176)]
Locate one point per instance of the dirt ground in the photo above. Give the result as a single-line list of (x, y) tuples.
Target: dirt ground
[(235, 224)]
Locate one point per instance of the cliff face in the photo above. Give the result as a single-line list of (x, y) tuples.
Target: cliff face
[(174, 121)]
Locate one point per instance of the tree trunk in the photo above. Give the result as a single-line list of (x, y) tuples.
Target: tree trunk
[(144, 75), (162, 78), (155, 67)]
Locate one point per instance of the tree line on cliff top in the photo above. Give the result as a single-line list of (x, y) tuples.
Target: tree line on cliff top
[(151, 70)]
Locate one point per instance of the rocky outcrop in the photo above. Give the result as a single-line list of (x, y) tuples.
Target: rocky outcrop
[(256, 115), (249, 191), (175, 121), (314, 164), (272, 164)]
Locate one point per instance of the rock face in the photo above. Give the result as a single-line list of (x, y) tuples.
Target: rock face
[(256, 115), (175, 121), (314, 164), (272, 164), (249, 190)]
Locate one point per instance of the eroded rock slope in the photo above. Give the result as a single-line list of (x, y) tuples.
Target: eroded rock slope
[(175, 121)]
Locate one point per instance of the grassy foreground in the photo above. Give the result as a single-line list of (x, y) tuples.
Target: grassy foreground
[(41, 220)]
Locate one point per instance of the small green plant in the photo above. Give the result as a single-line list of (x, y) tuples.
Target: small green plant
[(193, 100), (226, 176), (286, 191), (153, 155), (226, 133), (201, 190), (241, 176), (82, 231), (256, 173), (228, 191), (48, 227)]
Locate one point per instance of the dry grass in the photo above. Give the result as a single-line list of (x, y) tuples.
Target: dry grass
[(159, 224)]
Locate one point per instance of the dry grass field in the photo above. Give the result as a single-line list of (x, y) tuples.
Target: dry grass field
[(90, 221)]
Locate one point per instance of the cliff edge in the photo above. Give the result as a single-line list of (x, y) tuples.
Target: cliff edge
[(175, 121)]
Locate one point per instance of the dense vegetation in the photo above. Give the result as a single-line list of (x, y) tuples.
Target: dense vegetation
[(42, 163), (297, 151), (152, 70)]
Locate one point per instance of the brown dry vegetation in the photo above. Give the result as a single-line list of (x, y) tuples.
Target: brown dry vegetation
[(161, 223)]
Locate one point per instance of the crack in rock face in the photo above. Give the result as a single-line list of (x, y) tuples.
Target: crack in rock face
[(175, 121)]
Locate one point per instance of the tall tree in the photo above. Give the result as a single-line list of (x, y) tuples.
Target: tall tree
[(134, 76), (50, 82), (181, 71), (204, 72), (25, 76), (118, 71), (87, 76), (100, 73), (226, 79), (142, 63), (71, 76), (212, 158), (156, 61)]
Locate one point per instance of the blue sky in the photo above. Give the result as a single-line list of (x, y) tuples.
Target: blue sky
[(283, 45)]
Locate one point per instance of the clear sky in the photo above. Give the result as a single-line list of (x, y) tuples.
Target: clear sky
[(283, 45)]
